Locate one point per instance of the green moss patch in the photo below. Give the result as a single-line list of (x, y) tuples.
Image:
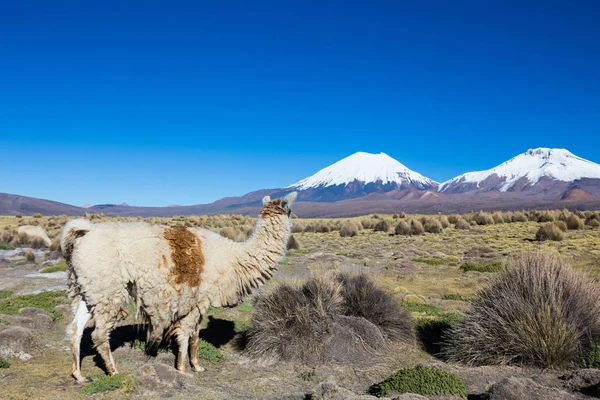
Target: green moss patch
[(496, 266), (12, 305), (109, 383), (425, 381), (4, 363), (60, 267), (208, 352)]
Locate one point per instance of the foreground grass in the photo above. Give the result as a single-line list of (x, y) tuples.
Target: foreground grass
[(12, 305), (495, 266)]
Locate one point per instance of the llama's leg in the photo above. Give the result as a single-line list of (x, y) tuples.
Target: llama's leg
[(75, 331), (194, 359), (183, 340), (105, 323)]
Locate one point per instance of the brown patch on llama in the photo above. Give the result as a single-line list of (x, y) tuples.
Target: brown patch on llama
[(272, 208), (186, 254)]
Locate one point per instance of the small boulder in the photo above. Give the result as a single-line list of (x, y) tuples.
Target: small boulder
[(16, 340)]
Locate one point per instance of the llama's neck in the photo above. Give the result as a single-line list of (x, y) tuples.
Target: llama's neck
[(260, 255)]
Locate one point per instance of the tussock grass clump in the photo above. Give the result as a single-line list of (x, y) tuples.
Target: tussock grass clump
[(498, 218), (538, 312), (432, 225), (293, 243), (30, 256), (444, 221), (453, 219), (462, 224), (416, 228), (340, 318), (519, 216), (594, 223), (482, 218), (549, 232), (562, 225), (426, 381), (382, 226), (349, 229), (574, 222), (364, 299), (403, 228), (545, 216)]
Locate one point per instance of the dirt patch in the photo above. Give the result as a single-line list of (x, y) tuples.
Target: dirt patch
[(186, 254), (272, 208)]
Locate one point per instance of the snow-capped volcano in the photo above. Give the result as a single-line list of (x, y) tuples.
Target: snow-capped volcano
[(365, 168), (533, 168), (359, 175)]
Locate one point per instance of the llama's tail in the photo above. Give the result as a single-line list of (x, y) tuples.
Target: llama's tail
[(72, 231)]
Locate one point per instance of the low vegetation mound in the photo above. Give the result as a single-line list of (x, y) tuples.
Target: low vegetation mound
[(549, 232), (349, 229), (538, 312), (574, 222), (403, 228), (425, 381), (341, 318), (382, 226), (432, 225)]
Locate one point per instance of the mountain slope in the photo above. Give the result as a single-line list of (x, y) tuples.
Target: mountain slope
[(538, 171), (11, 204), (359, 175)]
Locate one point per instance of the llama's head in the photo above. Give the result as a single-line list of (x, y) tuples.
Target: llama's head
[(278, 207)]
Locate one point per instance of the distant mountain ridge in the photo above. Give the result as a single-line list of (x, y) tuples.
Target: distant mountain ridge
[(364, 183)]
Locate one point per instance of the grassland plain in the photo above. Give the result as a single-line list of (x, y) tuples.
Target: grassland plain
[(434, 275)]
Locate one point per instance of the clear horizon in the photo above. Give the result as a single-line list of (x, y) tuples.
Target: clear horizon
[(154, 105)]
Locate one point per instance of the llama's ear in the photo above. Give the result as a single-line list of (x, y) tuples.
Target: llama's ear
[(266, 199), (290, 198)]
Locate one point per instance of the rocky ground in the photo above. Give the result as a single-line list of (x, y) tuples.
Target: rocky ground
[(34, 342)]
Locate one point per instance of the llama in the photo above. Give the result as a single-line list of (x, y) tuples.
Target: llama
[(172, 273)]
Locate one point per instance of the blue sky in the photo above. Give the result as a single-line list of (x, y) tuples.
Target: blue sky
[(158, 103)]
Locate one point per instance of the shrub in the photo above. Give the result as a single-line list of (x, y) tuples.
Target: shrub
[(594, 223), (403, 228), (453, 219), (574, 223), (322, 227), (30, 256), (308, 323), (549, 232), (444, 221), (498, 218), (4, 363), (416, 228), (362, 298), (432, 225), (538, 312), (349, 229), (55, 245), (519, 217), (482, 218), (19, 215), (232, 233), (426, 381), (395, 216), (562, 225), (382, 226), (293, 243), (402, 215), (545, 216), (462, 224), (37, 215)]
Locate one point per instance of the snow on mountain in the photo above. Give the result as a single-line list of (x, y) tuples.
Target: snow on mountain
[(366, 168), (533, 165)]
